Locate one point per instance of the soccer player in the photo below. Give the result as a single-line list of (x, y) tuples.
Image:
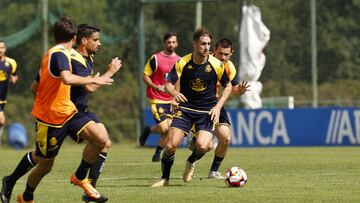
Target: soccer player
[(8, 74), (154, 76), (82, 61), (223, 51), (198, 73), (56, 117)]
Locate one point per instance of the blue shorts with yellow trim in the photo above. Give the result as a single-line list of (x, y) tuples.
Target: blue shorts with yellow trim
[(93, 117), (49, 138), (224, 119), (160, 112), (184, 119)]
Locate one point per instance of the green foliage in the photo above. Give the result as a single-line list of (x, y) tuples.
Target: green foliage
[(288, 52)]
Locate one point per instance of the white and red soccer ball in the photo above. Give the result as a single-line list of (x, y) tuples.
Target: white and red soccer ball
[(235, 177)]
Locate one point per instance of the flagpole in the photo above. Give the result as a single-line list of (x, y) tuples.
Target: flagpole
[(314, 71)]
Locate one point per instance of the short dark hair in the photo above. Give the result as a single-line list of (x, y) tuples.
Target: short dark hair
[(200, 32), (168, 35), (64, 29), (85, 30), (224, 43)]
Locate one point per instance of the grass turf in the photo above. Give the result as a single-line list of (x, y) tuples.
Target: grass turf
[(279, 174)]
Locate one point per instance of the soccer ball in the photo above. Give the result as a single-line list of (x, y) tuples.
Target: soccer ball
[(235, 177)]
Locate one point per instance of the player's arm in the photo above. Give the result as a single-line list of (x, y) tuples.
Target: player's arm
[(215, 111), (225, 82), (178, 97), (13, 76), (172, 78), (60, 66), (149, 69), (240, 89), (71, 79), (113, 67), (174, 104), (149, 83)]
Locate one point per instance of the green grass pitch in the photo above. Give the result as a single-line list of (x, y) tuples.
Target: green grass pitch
[(279, 174)]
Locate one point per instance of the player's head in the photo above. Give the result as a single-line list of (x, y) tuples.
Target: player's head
[(88, 36), (65, 30), (2, 48), (170, 42), (202, 41), (223, 50)]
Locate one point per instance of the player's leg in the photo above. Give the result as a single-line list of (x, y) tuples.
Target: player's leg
[(175, 138), (160, 113), (99, 165), (164, 127), (97, 168), (28, 161), (97, 138), (42, 168), (203, 140), (223, 135), (48, 143)]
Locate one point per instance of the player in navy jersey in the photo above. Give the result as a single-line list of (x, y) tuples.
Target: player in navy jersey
[(197, 74), (56, 117), (8, 68), (82, 61), (82, 65)]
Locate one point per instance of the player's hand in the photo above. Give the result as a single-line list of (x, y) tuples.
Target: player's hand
[(115, 65), (160, 88), (241, 88), (174, 106), (103, 80), (97, 75), (215, 114), (180, 98), (13, 79)]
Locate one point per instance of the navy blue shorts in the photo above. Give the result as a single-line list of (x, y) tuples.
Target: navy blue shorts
[(92, 117), (160, 112), (49, 138), (224, 119), (184, 119)]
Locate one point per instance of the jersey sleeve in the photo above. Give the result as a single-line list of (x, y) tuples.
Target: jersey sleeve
[(176, 71), (79, 69), (59, 62), (172, 76), (150, 66), (219, 67), (13, 65), (232, 74), (224, 79)]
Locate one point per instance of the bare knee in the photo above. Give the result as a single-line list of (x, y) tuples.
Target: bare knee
[(225, 140), (163, 128), (108, 144), (171, 148), (202, 148)]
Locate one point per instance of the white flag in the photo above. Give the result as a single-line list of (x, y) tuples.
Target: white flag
[(254, 36)]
